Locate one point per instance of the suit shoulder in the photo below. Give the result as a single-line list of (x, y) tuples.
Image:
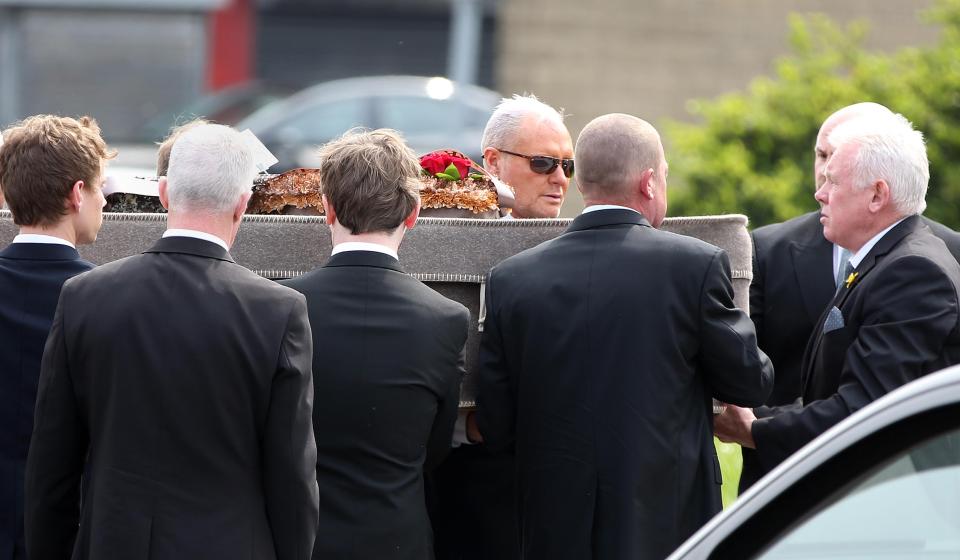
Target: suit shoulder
[(802, 228)]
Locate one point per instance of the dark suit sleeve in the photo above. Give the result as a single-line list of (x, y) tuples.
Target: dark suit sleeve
[(907, 317), (289, 448), (735, 369), (496, 400), (57, 453), (441, 434)]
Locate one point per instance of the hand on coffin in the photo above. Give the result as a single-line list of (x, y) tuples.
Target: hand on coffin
[(734, 425)]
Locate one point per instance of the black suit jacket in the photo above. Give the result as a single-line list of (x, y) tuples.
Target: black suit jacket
[(900, 322), (183, 381), (600, 353), (31, 275), (388, 361), (792, 283)]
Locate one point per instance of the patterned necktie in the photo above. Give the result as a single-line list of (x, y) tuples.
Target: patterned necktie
[(845, 268)]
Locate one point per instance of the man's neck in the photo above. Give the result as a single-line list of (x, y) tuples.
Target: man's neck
[(218, 225), (339, 234), (61, 230)]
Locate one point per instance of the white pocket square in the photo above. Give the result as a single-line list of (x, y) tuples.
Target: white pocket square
[(834, 320)]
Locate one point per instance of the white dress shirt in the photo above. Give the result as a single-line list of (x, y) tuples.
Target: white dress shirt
[(595, 207), (40, 238), (197, 235), (363, 246)]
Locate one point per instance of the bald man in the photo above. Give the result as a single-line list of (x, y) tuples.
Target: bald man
[(795, 272), (605, 392)]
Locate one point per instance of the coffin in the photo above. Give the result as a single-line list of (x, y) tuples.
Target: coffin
[(452, 255)]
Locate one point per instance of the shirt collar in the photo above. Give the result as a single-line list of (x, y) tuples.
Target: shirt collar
[(595, 207), (858, 257), (364, 246), (40, 238), (197, 235)]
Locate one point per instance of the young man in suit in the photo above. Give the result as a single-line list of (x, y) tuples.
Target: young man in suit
[(894, 316), (389, 357), (51, 169), (600, 353), (795, 275), (178, 384)]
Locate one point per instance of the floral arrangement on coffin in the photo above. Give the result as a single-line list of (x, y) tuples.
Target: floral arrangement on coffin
[(293, 192), (452, 180)]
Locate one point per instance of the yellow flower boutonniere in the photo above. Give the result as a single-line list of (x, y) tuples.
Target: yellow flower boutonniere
[(851, 279)]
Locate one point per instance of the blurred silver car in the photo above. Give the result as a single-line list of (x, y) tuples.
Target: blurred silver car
[(884, 483), (432, 113)]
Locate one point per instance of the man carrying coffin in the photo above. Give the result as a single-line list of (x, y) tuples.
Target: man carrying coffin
[(601, 351), (179, 384), (389, 357), (527, 146), (51, 169), (894, 316)]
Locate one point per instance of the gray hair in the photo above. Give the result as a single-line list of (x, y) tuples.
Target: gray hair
[(503, 127), (210, 168), (888, 149)]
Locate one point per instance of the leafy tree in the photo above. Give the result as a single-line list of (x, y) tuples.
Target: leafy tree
[(753, 151)]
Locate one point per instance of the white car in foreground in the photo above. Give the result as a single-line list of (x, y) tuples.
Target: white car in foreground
[(882, 484)]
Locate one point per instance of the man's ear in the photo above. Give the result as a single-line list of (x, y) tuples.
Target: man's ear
[(411, 220), (646, 185), (241, 208), (491, 160), (881, 196), (76, 195), (328, 210), (164, 196)]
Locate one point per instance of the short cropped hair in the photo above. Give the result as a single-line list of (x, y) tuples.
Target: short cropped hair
[(163, 152), (211, 167), (42, 157), (371, 178), (888, 149), (503, 127)]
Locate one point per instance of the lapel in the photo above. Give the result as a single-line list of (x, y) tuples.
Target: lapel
[(40, 252), (813, 265), (876, 254), (604, 218), (190, 246), (364, 258)]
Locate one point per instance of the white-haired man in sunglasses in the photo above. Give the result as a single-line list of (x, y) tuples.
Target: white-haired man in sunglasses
[(473, 493), (526, 145)]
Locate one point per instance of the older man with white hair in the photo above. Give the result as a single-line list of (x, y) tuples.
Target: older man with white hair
[(526, 145), (894, 317), (473, 499), (178, 385)]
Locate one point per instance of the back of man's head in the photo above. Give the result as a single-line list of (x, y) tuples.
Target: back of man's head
[(42, 158), (504, 125), (371, 178), (163, 151), (211, 167), (611, 152), (888, 148)]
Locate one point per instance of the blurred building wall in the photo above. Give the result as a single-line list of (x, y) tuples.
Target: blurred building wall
[(649, 57)]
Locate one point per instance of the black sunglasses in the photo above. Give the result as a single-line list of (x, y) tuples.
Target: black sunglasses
[(545, 164)]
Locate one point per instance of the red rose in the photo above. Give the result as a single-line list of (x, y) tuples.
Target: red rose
[(437, 162), (433, 162)]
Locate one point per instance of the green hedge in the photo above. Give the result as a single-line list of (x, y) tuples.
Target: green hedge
[(752, 152)]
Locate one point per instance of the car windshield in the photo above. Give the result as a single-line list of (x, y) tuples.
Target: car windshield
[(908, 509)]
